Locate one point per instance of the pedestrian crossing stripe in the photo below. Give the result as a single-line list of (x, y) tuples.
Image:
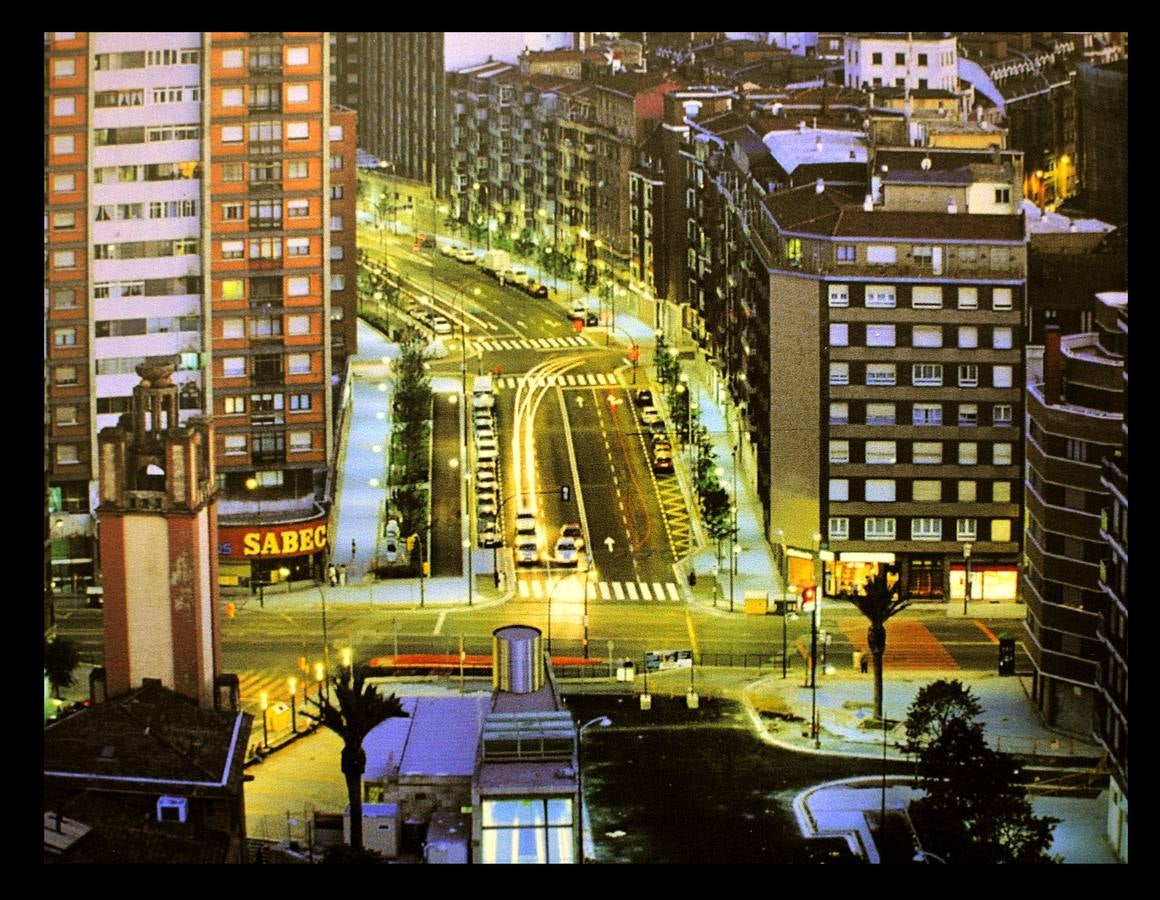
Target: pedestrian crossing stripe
[(534, 589), (583, 379), (492, 344)]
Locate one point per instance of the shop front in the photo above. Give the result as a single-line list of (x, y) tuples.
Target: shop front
[(253, 555)]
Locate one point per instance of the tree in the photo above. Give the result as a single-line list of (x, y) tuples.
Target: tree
[(61, 657), (359, 707), (879, 599), (974, 808)]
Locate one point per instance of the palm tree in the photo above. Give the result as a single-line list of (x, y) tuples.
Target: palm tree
[(878, 600), (60, 658), (358, 708)]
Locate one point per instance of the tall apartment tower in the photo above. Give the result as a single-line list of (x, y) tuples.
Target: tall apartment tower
[(158, 533), (187, 197)]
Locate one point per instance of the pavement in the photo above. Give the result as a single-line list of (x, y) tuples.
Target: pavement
[(780, 709)]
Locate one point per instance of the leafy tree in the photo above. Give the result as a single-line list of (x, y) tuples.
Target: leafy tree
[(412, 398), (974, 808), (357, 708), (879, 600), (668, 369), (61, 657)]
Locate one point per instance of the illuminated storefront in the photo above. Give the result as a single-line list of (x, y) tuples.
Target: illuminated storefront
[(248, 554)]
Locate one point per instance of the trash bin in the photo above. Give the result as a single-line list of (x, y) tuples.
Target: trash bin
[(1006, 656)]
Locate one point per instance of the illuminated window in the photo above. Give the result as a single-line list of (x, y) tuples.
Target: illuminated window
[(233, 406), (926, 414), (881, 453), (880, 373), (927, 453), (300, 441), (839, 489), (1002, 376), (927, 491), (968, 337), (968, 298), (839, 373), (879, 529), (1001, 492), (967, 491), (1001, 454), (880, 296), (839, 295), (926, 336), (1000, 529), (233, 289), (839, 413), (297, 286), (968, 453), (839, 451), (926, 296), (235, 444), (879, 335), (233, 366), (299, 363), (297, 56), (925, 529), (1001, 297), (233, 97), (233, 328), (1001, 338), (298, 324), (880, 490), (879, 413), (838, 528), (839, 334), (298, 93)]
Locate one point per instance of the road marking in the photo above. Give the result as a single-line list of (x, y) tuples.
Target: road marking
[(618, 589), (604, 591), (674, 594), (987, 631), (645, 593), (632, 592), (440, 619), (524, 590), (658, 590), (692, 635)]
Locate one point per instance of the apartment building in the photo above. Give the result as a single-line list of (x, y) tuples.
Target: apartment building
[(1075, 419), (188, 215), (901, 59)]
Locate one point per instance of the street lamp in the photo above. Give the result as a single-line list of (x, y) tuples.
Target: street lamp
[(590, 575), (780, 535), (320, 677), (252, 485), (967, 583), (603, 722), (292, 683), (265, 702), (346, 656), (815, 620)]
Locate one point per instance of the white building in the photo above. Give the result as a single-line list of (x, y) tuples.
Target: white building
[(917, 61)]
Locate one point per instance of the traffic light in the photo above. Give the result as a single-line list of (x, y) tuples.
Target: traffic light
[(565, 492), (411, 543), (231, 610), (809, 593)]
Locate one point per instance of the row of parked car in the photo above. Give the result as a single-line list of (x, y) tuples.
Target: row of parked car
[(486, 467), (660, 445)]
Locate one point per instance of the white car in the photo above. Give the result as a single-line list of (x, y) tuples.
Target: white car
[(525, 523), (484, 479), (527, 552), (649, 415), (486, 465), (484, 433), (485, 504), (514, 276), (464, 255), (440, 325), (448, 249), (575, 532), (566, 553), (489, 537)]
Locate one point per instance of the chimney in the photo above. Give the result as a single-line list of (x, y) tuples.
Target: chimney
[(820, 186), (818, 144), (868, 204), (952, 207), (1052, 367)]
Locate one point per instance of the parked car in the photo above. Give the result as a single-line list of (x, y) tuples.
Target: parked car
[(591, 318), (662, 462), (489, 536), (485, 504), (527, 553), (644, 397), (535, 289), (525, 522), (482, 444), (464, 255), (484, 478), (575, 532), (566, 553), (486, 465), (649, 414), (662, 445), (484, 433), (440, 325), (577, 310), (514, 276), (449, 249)]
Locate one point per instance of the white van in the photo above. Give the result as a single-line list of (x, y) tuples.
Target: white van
[(483, 393)]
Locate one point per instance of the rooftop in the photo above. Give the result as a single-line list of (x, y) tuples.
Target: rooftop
[(808, 146)]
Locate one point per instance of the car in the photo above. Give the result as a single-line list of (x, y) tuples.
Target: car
[(575, 532), (484, 433), (662, 445), (525, 522), (566, 553), (486, 445), (485, 504), (513, 276), (644, 397), (486, 454), (649, 414), (663, 462), (591, 319), (535, 289), (577, 310), (527, 552), (488, 466), (658, 427), (464, 255), (483, 417), (440, 325), (489, 536), (448, 249), (484, 479), (421, 315)]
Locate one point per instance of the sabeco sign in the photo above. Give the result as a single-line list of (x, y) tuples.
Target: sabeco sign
[(299, 539)]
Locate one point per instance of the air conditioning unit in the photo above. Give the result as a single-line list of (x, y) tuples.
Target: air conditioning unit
[(172, 809)]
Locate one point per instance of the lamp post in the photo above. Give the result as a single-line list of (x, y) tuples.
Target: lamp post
[(736, 548), (265, 701), (815, 621), (292, 683), (252, 485), (967, 583), (782, 560), (320, 677), (589, 574), (603, 722)]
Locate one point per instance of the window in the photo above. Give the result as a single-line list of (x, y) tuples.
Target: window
[(265, 327), (64, 337), (839, 528), (900, 59), (1000, 530), (297, 168), (839, 489), (65, 298), (839, 334), (67, 455), (64, 106), (968, 453), (876, 59), (64, 144), (297, 246), (233, 172), (298, 286), (839, 373), (336, 251), (966, 529), (1001, 492), (922, 59), (62, 221), (233, 328), (922, 529), (65, 67), (926, 336), (233, 406), (299, 363), (1002, 376), (235, 444), (336, 135), (336, 194), (967, 491), (233, 97), (232, 134), (1003, 195), (233, 249), (968, 376), (880, 296), (298, 324), (300, 441), (297, 56), (926, 297), (879, 335), (299, 402), (926, 414), (880, 374), (64, 183), (265, 248), (880, 490), (881, 254), (300, 93), (64, 259), (968, 337), (231, 59), (1001, 298), (297, 209), (879, 529), (968, 414), (839, 413), (968, 298), (968, 255), (336, 163), (1001, 454), (233, 366), (1001, 338), (1002, 415), (839, 295), (847, 253), (233, 289), (66, 415), (926, 374), (881, 453), (337, 282), (927, 453), (297, 131), (839, 451), (927, 491), (65, 375), (879, 413)]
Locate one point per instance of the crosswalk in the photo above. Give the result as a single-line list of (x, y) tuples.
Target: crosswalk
[(583, 379), (493, 344), (632, 591)]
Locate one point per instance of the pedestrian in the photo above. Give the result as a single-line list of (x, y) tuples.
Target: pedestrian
[(865, 663), (331, 575), (342, 574)]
